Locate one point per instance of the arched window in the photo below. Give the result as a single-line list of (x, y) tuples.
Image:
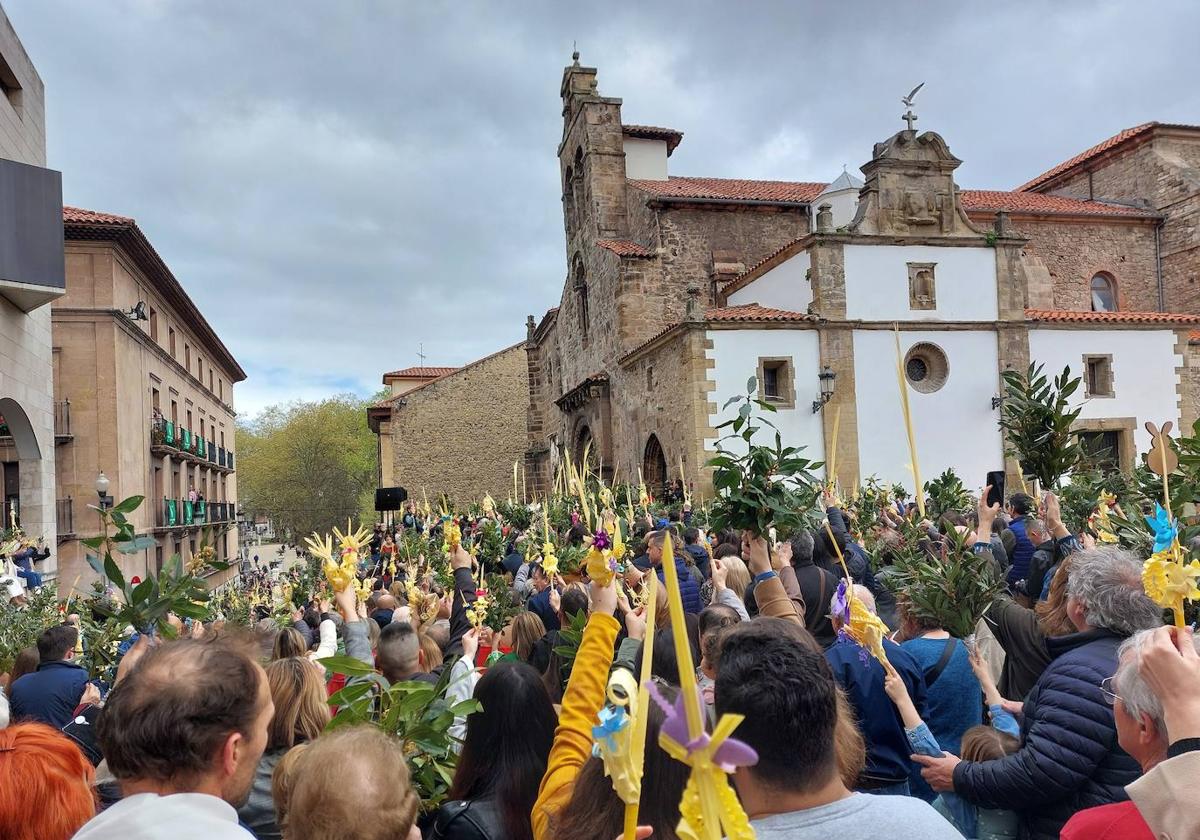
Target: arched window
[(577, 182), (1104, 294), (654, 466), (579, 276), (569, 198)]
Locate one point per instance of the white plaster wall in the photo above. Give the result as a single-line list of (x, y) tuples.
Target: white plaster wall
[(26, 376), (877, 283), (955, 426), (736, 354), (645, 160), (1143, 367), (786, 286), (843, 205)]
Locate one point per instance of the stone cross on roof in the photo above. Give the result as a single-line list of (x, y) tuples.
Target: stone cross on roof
[(909, 117)]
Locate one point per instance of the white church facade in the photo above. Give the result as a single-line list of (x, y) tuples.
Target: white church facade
[(901, 258)]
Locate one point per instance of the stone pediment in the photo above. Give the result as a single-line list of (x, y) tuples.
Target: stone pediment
[(910, 190)]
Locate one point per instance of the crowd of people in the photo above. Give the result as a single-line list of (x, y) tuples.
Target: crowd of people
[(1072, 712)]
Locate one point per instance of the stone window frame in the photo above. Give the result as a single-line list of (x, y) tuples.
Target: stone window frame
[(1113, 287), (914, 268), (937, 365), (787, 380), (1125, 428), (1109, 379)]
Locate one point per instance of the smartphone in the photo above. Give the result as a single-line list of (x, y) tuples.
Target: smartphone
[(995, 480)]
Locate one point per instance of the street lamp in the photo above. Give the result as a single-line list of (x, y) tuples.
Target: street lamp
[(825, 377), (102, 491)]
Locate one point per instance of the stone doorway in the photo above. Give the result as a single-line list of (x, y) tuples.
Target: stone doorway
[(654, 466), (21, 454)]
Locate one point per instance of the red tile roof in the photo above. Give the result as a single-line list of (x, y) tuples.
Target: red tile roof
[(1032, 202), (625, 248), (654, 132), (422, 372), (1139, 133), (1063, 316), (732, 190), (78, 215), (754, 312)]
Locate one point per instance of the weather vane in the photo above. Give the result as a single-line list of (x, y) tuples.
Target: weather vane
[(909, 117)]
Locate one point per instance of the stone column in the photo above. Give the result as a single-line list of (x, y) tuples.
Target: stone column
[(837, 352)]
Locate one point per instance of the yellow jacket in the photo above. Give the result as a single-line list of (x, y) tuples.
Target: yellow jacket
[(580, 707)]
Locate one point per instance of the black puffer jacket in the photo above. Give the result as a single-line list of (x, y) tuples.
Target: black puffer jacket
[(1069, 758)]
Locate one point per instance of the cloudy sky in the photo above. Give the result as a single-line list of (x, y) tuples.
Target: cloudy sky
[(336, 184)]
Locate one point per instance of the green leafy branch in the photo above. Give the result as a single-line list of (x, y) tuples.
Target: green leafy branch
[(762, 485)]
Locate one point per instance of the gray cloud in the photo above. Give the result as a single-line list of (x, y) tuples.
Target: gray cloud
[(335, 183)]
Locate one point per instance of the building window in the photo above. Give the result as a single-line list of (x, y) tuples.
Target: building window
[(153, 324), (776, 383), (650, 378), (1101, 450), (1104, 293), (10, 86), (926, 367), (922, 293), (171, 340), (187, 357), (220, 389), (210, 380), (1099, 376), (581, 297)]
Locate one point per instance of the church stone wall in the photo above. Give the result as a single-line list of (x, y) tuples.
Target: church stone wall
[(1164, 172), (665, 392), (1074, 252), (461, 434)]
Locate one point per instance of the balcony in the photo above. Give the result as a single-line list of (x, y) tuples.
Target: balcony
[(64, 516), (62, 422), (170, 439), (181, 513)]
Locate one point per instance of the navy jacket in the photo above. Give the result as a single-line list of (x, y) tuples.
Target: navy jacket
[(540, 605), (1069, 757), (689, 590), (887, 746), (1021, 554), (50, 694), (700, 557)]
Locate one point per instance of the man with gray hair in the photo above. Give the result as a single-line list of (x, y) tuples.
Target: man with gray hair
[(1141, 732), (1069, 758)]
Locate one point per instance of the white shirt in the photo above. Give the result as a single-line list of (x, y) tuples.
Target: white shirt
[(179, 816)]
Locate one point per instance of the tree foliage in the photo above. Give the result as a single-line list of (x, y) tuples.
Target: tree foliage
[(308, 465), (1036, 418)]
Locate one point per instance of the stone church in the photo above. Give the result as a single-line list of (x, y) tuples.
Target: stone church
[(678, 289)]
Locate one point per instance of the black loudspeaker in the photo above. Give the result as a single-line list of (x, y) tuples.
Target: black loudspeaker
[(390, 498)]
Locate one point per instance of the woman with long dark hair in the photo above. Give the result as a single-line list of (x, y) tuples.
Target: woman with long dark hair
[(503, 758)]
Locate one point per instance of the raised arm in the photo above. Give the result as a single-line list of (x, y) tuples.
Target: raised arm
[(581, 705)]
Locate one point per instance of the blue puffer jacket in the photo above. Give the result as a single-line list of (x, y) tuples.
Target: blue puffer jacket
[(689, 590), (1069, 758)]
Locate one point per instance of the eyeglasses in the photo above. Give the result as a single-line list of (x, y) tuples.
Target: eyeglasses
[(1106, 689)]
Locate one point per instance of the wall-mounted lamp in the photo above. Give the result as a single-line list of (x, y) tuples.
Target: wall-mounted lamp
[(137, 312), (825, 377), (997, 402), (102, 484)]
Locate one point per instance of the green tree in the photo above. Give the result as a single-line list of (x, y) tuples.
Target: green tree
[(308, 465)]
